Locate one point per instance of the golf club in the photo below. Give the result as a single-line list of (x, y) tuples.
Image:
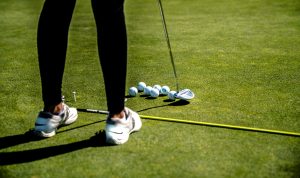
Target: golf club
[(185, 94), (168, 41), (279, 132)]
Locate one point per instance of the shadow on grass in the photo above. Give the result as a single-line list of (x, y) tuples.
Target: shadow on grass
[(173, 103), (14, 140), (17, 157), (295, 169)]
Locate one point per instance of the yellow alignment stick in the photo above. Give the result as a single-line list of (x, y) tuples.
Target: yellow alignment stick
[(222, 125), (295, 134)]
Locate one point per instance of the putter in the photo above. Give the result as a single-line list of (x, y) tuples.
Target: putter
[(185, 94)]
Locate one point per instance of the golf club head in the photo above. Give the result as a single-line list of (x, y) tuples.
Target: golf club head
[(185, 94)]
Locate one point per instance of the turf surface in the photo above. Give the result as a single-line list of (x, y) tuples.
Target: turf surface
[(241, 58)]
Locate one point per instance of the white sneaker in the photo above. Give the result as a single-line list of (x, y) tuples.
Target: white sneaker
[(117, 130), (47, 123)]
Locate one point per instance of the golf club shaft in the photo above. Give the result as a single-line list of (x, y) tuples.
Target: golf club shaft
[(203, 123), (92, 111), (168, 41)]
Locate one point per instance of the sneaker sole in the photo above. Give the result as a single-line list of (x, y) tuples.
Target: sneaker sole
[(44, 134)]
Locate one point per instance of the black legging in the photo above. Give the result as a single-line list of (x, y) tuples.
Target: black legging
[(52, 41)]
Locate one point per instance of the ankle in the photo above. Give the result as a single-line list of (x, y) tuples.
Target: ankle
[(56, 109), (119, 115)]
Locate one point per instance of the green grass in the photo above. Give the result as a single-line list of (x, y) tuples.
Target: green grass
[(241, 58)]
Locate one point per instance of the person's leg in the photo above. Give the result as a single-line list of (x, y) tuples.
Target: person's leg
[(52, 40), (112, 48)]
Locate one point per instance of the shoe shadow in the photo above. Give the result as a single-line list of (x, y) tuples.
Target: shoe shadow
[(29, 136), (17, 157), (13, 140)]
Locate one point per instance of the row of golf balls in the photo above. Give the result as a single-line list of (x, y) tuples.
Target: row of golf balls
[(152, 91)]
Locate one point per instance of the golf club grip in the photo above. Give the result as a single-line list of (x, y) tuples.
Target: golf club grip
[(92, 111)]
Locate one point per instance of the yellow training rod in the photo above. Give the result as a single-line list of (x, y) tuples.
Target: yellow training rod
[(222, 125), (295, 134)]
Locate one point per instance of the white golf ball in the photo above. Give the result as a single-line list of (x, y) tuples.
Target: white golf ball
[(171, 95), (133, 91), (147, 90), (154, 93), (158, 87), (141, 86), (164, 90)]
